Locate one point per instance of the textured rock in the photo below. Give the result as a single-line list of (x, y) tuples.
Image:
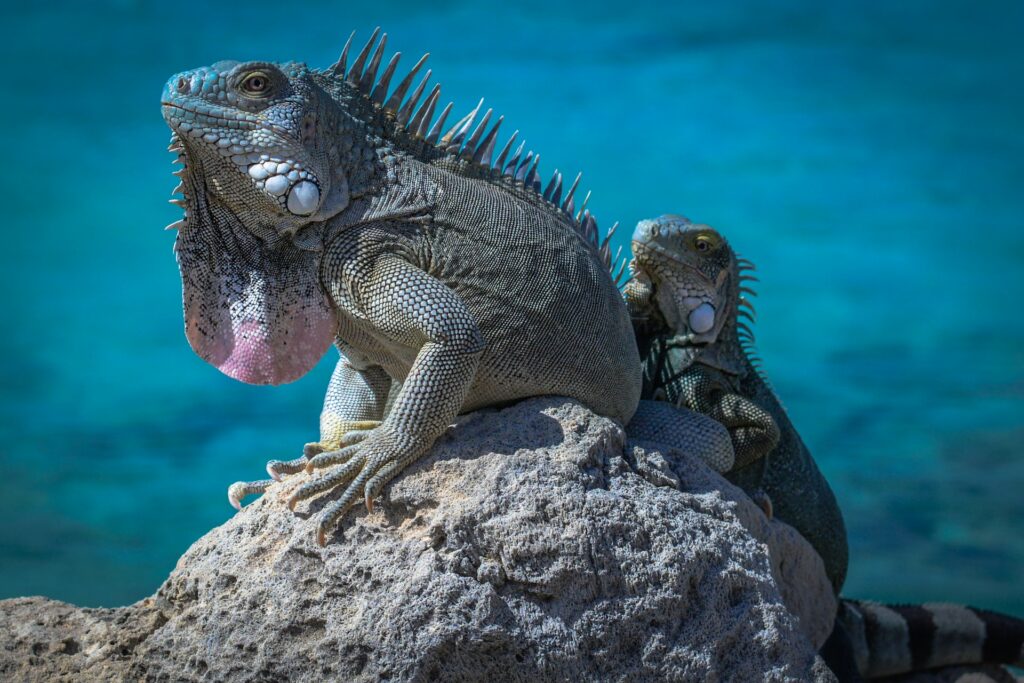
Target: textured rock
[(532, 544)]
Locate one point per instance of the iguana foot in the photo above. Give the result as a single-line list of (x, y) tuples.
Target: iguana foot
[(241, 489), (362, 468), (345, 434)]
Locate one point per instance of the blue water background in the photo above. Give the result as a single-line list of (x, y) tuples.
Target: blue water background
[(869, 156)]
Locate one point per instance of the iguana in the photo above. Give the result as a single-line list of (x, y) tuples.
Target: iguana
[(688, 296), (320, 209)]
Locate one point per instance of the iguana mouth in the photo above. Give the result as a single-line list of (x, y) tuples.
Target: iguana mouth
[(205, 115), (274, 171)]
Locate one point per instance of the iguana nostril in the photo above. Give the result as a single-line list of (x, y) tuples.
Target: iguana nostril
[(702, 318), (182, 85)]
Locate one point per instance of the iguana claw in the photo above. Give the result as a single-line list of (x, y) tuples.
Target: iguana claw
[(241, 489)]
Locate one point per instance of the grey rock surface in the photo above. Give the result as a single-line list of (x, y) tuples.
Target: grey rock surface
[(532, 544)]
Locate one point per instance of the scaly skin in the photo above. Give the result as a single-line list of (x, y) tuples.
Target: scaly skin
[(896, 639), (686, 298), (319, 213)]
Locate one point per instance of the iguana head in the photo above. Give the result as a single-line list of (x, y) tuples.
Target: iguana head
[(692, 274), (264, 167), (253, 130)]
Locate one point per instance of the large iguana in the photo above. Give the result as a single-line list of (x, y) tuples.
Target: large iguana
[(320, 209), (687, 295), (687, 298)]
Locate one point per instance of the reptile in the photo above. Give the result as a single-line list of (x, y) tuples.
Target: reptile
[(689, 299), (322, 209), (688, 296)]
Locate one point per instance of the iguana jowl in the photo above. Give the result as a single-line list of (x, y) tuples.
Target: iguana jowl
[(320, 209), (687, 296)]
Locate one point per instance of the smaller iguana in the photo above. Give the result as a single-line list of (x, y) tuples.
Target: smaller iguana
[(687, 297), (687, 301)]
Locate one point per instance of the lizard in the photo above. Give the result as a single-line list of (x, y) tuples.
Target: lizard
[(689, 299), (688, 295), (322, 207)]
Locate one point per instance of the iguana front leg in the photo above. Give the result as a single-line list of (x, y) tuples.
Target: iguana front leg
[(752, 429), (354, 404), (406, 308)]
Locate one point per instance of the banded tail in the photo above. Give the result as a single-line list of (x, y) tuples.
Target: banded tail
[(895, 639)]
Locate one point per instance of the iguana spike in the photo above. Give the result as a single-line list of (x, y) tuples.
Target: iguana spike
[(510, 168), (745, 263), (567, 206), (435, 130), (179, 189), (421, 121), (357, 66), (748, 291), (175, 146), (745, 329), (611, 233), (583, 207), (177, 202), (500, 163), (380, 90), (485, 151), (549, 191), (551, 185), (369, 76), (524, 167), (622, 264), (410, 104), (396, 97), (456, 135), (533, 177), (748, 278), (590, 227), (176, 225), (470, 147), (179, 172), (556, 194), (338, 68)]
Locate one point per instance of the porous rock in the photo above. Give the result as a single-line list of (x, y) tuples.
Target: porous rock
[(534, 543)]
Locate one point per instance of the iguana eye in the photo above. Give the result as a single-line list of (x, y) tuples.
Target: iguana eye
[(703, 243), (255, 84)]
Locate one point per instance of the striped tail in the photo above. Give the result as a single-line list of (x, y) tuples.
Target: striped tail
[(895, 639)]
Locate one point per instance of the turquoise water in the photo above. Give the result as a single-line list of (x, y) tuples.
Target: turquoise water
[(870, 159)]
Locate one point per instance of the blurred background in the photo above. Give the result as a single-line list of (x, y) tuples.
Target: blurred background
[(868, 156)]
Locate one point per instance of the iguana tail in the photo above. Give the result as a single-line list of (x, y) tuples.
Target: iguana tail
[(895, 639)]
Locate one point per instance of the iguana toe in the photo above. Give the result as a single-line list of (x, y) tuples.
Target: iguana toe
[(277, 468), (241, 489), (334, 478), (334, 457)]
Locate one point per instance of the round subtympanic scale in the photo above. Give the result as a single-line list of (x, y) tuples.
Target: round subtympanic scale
[(702, 318), (257, 172), (304, 198), (277, 185)]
